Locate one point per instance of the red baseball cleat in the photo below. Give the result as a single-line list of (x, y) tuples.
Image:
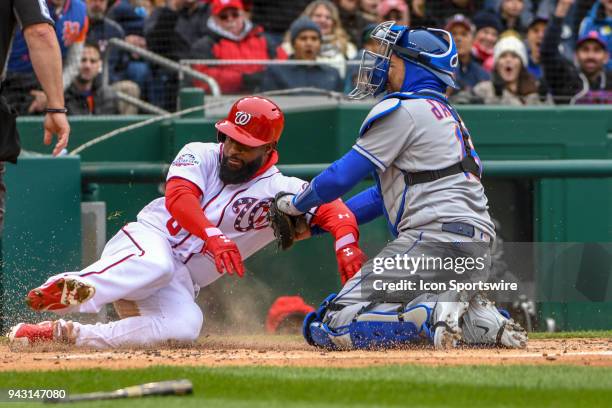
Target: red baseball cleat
[(59, 294), (25, 334)]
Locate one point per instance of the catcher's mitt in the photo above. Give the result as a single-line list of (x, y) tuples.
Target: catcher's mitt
[(287, 228)]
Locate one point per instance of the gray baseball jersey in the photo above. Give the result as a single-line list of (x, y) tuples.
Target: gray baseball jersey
[(420, 135)]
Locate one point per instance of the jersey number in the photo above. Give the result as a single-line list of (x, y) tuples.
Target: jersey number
[(439, 110), (173, 227)]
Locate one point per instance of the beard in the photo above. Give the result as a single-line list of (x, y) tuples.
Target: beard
[(229, 175), (79, 79)]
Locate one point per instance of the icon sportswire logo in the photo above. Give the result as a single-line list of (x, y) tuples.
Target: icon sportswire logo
[(242, 118)]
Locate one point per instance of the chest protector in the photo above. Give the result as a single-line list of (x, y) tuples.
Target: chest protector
[(468, 164)]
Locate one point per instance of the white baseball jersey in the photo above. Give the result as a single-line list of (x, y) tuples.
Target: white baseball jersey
[(238, 210)]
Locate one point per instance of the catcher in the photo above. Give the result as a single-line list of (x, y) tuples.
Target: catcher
[(215, 213), (428, 186)]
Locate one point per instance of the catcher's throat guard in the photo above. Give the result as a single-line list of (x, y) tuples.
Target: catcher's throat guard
[(431, 48)]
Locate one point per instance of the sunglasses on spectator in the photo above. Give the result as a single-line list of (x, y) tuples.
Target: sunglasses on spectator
[(230, 14)]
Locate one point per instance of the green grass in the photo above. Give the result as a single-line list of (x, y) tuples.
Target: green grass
[(604, 334), (390, 386)]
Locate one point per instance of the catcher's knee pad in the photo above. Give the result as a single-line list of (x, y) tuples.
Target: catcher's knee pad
[(369, 329)]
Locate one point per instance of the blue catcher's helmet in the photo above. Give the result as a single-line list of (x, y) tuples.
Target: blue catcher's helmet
[(430, 48)]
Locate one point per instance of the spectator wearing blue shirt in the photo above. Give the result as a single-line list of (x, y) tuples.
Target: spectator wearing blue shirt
[(535, 35), (470, 72), (599, 19), (306, 42)]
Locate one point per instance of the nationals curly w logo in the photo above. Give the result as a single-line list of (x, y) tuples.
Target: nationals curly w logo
[(242, 118), (251, 213)]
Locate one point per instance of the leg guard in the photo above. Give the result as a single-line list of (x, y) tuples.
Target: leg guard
[(317, 317), (369, 329)]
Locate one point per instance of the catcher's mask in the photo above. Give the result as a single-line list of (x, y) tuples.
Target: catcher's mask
[(430, 48)]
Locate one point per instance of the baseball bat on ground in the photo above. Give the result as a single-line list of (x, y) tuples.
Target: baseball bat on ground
[(174, 387)]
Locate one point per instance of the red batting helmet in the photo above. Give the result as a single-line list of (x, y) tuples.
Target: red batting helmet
[(253, 121)]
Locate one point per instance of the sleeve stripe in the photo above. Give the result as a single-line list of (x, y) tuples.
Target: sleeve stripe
[(44, 10), (377, 162)]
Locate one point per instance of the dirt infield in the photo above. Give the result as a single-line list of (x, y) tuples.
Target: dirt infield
[(291, 351)]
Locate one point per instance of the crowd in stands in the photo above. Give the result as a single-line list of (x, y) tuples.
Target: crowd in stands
[(511, 52)]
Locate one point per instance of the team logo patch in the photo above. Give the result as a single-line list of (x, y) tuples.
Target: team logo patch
[(251, 214), (185, 160), (242, 118)]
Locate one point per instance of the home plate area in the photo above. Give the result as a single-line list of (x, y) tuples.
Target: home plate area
[(213, 351)]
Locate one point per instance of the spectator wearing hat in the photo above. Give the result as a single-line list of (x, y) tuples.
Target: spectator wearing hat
[(534, 38), (352, 19), (488, 29), (470, 72), (587, 81), (599, 19), (231, 35), (442, 10), (306, 44), (511, 83), (396, 10)]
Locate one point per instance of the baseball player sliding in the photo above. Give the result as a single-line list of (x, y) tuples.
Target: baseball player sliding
[(212, 217), (428, 187)]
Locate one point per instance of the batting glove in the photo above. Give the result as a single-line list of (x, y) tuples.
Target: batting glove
[(349, 256), (224, 251)]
